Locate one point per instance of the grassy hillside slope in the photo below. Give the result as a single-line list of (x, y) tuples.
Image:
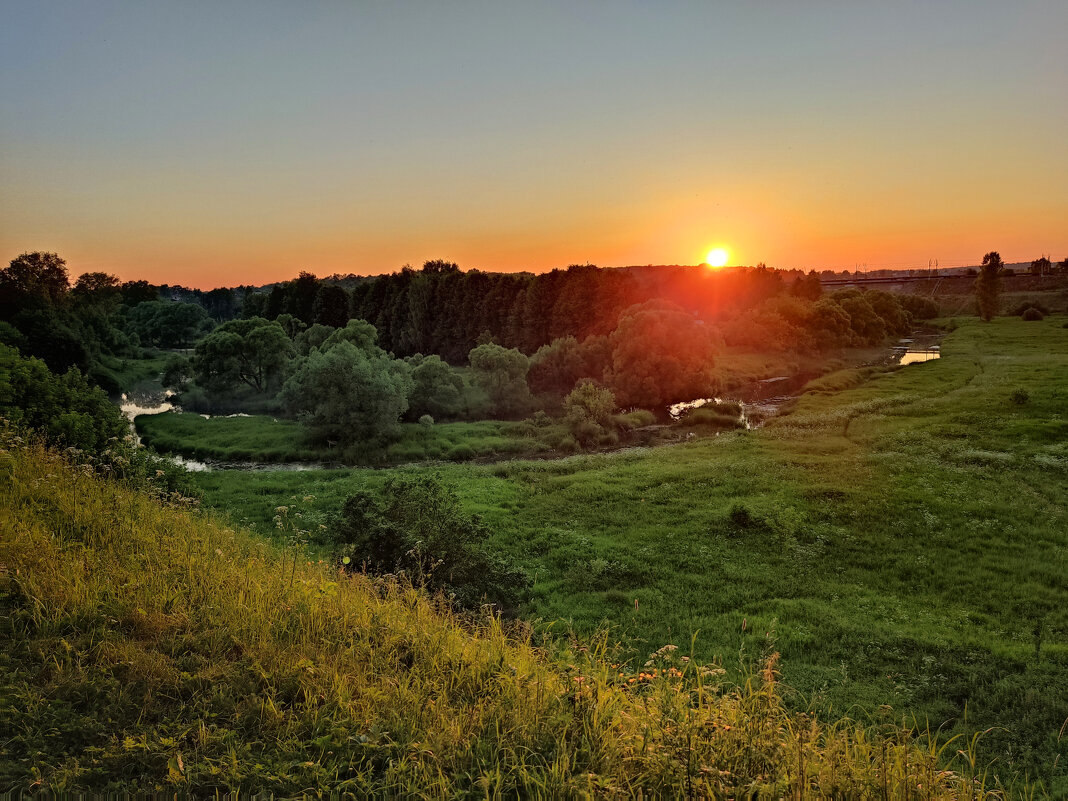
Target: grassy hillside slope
[(145, 647), (901, 538)]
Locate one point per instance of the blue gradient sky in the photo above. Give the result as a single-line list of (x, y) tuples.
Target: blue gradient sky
[(233, 142)]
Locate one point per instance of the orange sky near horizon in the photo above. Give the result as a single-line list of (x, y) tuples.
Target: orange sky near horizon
[(250, 142)]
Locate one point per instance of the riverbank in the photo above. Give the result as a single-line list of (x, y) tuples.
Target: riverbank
[(761, 383)]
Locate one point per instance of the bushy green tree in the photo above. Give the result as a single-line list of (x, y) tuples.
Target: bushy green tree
[(660, 355), (988, 286), (290, 324), (418, 527), (437, 389), (588, 411), (252, 352), (502, 373), (312, 337), (829, 324), (920, 308), (587, 401), (347, 394), (896, 319), (558, 366), (359, 333), (177, 372), (867, 326)]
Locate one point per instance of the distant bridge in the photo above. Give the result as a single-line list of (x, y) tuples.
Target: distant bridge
[(899, 279)]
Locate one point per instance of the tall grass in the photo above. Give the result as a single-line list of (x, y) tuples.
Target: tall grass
[(146, 647)]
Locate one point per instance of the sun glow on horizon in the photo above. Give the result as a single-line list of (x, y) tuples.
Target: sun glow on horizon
[(717, 257)]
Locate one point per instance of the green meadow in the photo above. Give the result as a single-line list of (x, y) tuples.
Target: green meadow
[(900, 537)]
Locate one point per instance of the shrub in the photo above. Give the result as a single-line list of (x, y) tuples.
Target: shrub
[(418, 528), (1020, 397), (426, 421), (460, 453), (711, 416), (609, 439), (540, 419), (1032, 314), (741, 518), (568, 444), (586, 432), (640, 418), (1022, 309)]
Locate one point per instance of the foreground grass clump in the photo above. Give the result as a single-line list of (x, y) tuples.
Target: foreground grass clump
[(146, 647)]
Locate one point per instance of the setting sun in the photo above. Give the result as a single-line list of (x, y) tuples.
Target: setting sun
[(717, 257)]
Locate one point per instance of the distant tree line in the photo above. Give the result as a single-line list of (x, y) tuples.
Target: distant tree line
[(443, 310)]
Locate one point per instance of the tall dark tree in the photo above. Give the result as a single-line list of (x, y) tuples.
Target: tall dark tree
[(134, 292), (332, 306), (302, 293), (988, 286)]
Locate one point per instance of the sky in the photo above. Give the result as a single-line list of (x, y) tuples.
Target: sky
[(223, 143)]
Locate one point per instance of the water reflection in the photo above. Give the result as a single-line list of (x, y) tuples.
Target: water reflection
[(914, 356), (146, 403), (752, 413)]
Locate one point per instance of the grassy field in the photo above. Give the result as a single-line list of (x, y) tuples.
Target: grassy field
[(152, 649), (901, 538)]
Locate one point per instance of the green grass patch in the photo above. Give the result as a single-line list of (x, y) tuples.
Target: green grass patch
[(259, 438)]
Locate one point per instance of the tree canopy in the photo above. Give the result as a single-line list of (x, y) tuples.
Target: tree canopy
[(252, 352)]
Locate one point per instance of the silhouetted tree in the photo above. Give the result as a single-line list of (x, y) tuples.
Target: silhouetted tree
[(332, 306), (988, 286), (38, 275), (1041, 265), (134, 292)]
